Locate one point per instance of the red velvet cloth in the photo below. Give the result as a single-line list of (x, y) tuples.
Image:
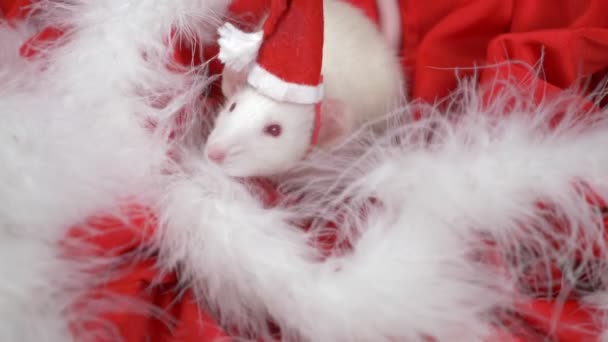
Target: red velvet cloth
[(439, 35)]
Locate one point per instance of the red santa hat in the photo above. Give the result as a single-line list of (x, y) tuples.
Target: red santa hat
[(284, 58)]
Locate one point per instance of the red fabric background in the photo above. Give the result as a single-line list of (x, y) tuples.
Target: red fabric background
[(439, 35)]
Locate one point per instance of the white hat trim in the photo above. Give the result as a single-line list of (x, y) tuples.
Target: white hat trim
[(281, 90)]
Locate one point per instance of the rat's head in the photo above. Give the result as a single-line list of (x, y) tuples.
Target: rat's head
[(256, 136)]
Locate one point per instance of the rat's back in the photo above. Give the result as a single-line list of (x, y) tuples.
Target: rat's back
[(358, 66)]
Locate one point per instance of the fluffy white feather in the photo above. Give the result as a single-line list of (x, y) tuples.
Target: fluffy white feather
[(416, 268), (73, 143)]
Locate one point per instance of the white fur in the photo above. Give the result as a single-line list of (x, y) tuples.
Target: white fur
[(413, 270), (358, 70), (73, 144), (240, 133)]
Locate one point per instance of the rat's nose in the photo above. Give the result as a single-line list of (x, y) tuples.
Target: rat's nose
[(216, 155)]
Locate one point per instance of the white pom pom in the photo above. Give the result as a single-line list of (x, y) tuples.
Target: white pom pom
[(238, 49)]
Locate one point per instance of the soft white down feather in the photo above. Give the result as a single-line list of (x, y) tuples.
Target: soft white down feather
[(416, 268), (73, 143)]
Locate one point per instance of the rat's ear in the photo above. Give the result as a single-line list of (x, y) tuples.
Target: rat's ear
[(232, 81), (336, 121)]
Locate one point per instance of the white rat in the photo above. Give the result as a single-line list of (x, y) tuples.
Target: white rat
[(256, 136)]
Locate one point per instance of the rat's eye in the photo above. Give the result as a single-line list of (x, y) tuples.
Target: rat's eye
[(273, 130), (232, 106)]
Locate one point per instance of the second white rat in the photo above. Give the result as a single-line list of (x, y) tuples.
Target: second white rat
[(256, 136)]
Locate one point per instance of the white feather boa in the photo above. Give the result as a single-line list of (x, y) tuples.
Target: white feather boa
[(73, 143), (412, 272)]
